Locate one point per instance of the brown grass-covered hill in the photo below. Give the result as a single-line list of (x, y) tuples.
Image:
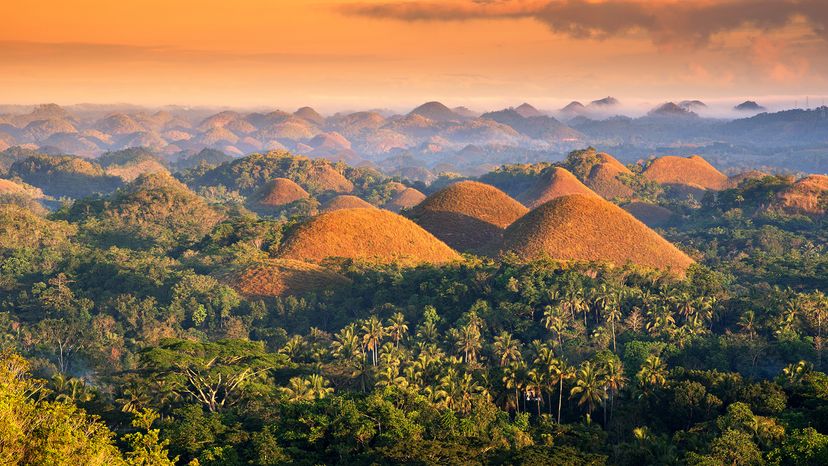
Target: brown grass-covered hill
[(692, 171), (404, 198), (808, 195), (278, 192), (652, 215), (468, 215), (155, 209), (552, 183), (323, 177), (605, 180), (346, 201), (10, 187), (582, 227), (280, 277), (372, 235)]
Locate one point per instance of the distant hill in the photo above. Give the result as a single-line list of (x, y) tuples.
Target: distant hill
[(64, 175), (581, 227), (749, 106), (527, 111), (605, 102), (436, 111), (670, 109), (539, 127)]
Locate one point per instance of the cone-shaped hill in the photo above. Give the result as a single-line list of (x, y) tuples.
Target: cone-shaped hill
[(346, 201), (468, 216), (552, 183), (280, 277), (693, 170), (372, 235), (582, 227), (279, 192), (326, 178), (604, 179), (405, 198)]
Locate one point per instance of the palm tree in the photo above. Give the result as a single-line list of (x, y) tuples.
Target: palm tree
[(554, 320), (319, 386), (747, 323), (535, 384), (614, 380), (512, 380), (397, 328), (794, 373), (293, 347), (545, 361), (613, 317), (588, 387), (507, 348), (372, 334), (653, 373), (560, 371), (468, 342), (298, 389)]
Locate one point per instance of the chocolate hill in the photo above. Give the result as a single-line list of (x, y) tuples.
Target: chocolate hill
[(280, 277), (808, 195), (346, 201), (279, 192), (405, 198), (372, 235), (326, 178), (692, 170), (604, 178), (582, 227), (468, 215), (552, 183)]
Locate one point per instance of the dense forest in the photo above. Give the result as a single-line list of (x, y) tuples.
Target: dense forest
[(126, 338)]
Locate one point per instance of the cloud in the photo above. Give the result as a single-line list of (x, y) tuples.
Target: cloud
[(666, 22), (775, 61)]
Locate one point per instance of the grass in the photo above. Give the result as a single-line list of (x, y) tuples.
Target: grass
[(589, 228), (280, 277), (692, 170), (278, 192), (554, 182), (468, 215), (346, 201), (372, 235)]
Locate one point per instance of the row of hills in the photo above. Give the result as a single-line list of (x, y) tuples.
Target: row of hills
[(432, 138), (590, 207)]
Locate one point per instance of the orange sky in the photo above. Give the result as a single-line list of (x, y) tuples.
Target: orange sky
[(359, 54)]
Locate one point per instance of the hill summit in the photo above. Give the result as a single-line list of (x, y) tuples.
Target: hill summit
[(468, 215), (372, 235), (589, 228), (688, 171), (435, 111), (552, 183)]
